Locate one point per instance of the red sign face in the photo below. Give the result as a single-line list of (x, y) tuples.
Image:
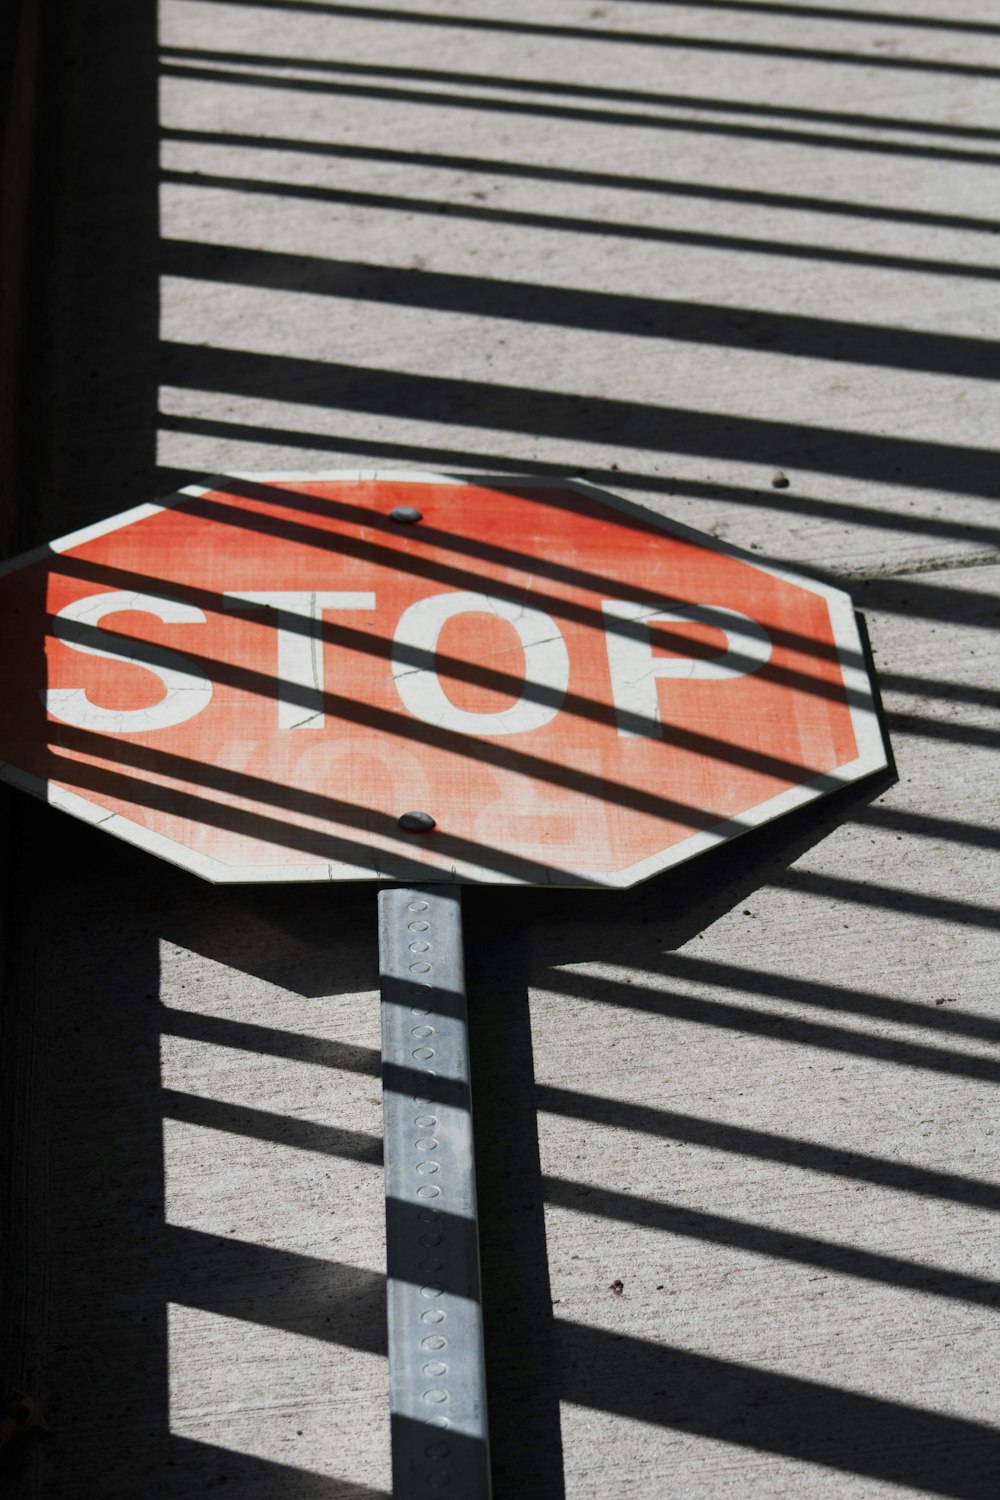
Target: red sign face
[(257, 681)]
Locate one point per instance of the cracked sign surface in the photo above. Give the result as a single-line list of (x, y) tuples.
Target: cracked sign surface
[(256, 680)]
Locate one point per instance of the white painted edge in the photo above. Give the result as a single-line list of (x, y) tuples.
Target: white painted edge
[(872, 754), (871, 757), (348, 476), (416, 476), (218, 873), (101, 528), (540, 481), (98, 529), (704, 540), (217, 482)]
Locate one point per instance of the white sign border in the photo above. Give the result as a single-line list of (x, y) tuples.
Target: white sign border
[(872, 752)]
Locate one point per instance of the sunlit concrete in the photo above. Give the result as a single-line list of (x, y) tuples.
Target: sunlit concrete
[(737, 1150)]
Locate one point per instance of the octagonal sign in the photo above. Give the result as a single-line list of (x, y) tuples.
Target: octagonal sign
[(257, 680)]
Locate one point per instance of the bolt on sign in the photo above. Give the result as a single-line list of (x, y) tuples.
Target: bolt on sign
[(260, 680)]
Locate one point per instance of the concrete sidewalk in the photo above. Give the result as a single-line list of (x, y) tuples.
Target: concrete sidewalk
[(735, 1127)]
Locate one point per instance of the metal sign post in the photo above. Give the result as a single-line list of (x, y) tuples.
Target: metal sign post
[(437, 1386)]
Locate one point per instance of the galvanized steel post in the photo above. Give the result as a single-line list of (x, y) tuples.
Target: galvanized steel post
[(436, 1372)]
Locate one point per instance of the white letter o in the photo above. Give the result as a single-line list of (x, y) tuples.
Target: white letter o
[(546, 664)]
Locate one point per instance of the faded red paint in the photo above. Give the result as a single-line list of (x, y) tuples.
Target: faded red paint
[(572, 796)]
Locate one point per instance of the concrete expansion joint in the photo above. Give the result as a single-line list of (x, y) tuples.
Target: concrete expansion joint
[(984, 559)]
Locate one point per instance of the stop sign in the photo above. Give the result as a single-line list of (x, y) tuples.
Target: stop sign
[(258, 680)]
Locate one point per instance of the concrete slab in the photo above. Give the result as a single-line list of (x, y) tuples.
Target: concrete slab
[(760, 260), (770, 1143), (735, 1126)]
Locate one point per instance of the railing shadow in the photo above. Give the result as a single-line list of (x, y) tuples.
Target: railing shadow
[(620, 36), (91, 1261)]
